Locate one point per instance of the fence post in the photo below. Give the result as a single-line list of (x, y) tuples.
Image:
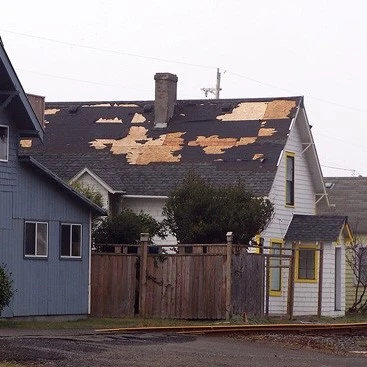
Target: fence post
[(291, 278), (229, 277), (143, 272)]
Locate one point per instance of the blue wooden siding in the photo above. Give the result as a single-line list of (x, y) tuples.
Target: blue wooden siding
[(51, 286), (6, 210), (8, 169)]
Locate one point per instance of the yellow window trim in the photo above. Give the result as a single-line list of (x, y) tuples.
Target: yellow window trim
[(316, 265), (276, 293), (289, 154)]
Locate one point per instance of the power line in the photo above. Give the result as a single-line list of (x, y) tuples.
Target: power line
[(93, 48), (79, 80), (354, 172)]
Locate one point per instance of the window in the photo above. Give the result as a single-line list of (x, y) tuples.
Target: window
[(36, 239), (361, 260), (71, 240), (4, 143), (275, 270), (306, 264), (289, 189)]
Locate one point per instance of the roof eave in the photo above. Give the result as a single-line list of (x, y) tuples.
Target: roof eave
[(35, 124)]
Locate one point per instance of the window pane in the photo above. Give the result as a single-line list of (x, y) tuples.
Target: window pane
[(76, 240), (3, 143), (275, 281), (306, 264), (290, 181), (30, 238), (290, 164), (65, 240), (41, 239), (362, 255)]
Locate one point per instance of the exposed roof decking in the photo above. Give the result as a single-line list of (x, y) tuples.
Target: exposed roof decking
[(118, 141)]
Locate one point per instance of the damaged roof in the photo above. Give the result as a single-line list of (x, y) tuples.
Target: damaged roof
[(347, 196), (325, 228), (221, 140)]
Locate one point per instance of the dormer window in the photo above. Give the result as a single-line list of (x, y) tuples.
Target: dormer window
[(4, 143), (289, 188)]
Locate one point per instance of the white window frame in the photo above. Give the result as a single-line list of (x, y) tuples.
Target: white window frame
[(70, 255), (36, 242), (6, 159), (275, 273), (290, 188)]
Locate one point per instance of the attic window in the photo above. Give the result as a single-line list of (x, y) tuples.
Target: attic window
[(4, 143)]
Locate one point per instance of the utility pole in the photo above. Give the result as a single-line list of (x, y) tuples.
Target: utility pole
[(217, 87), (215, 90)]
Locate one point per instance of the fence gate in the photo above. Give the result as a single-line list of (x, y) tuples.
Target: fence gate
[(248, 284)]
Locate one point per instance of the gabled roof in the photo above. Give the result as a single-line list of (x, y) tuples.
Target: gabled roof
[(221, 140), (347, 196), (79, 198), (313, 228), (14, 99)]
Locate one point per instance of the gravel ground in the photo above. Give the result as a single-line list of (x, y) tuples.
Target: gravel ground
[(157, 349), (336, 344)]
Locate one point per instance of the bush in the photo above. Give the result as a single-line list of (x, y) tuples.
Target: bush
[(6, 287), (199, 212), (126, 227), (89, 192)]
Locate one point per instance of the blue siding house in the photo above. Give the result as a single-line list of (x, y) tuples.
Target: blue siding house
[(45, 225)]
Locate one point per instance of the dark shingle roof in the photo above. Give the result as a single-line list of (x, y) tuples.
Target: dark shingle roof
[(315, 228), (118, 142), (347, 196)]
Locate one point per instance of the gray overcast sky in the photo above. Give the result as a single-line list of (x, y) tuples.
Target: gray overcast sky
[(110, 50)]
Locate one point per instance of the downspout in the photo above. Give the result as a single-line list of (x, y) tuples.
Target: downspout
[(90, 263)]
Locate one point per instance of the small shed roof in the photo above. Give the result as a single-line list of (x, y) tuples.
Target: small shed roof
[(326, 228)]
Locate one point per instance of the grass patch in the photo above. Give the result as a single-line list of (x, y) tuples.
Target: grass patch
[(10, 364), (99, 323)]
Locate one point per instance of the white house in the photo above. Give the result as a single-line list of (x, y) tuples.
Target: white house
[(135, 152)]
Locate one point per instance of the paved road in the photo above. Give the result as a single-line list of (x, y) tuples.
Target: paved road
[(160, 350)]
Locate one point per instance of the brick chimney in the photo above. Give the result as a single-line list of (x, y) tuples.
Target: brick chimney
[(165, 98)]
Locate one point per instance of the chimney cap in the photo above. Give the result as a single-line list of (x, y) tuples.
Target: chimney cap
[(166, 76)]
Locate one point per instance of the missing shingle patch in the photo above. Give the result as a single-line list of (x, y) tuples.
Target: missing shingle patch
[(26, 143), (115, 120), (138, 118), (52, 111)]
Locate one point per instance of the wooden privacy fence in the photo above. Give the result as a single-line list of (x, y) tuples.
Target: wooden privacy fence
[(195, 282)]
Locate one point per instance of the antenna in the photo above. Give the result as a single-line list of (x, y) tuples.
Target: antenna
[(215, 90)]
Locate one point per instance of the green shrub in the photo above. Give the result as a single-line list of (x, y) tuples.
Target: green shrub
[(200, 212), (6, 287)]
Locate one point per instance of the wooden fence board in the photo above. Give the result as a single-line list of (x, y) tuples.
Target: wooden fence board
[(186, 286)]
